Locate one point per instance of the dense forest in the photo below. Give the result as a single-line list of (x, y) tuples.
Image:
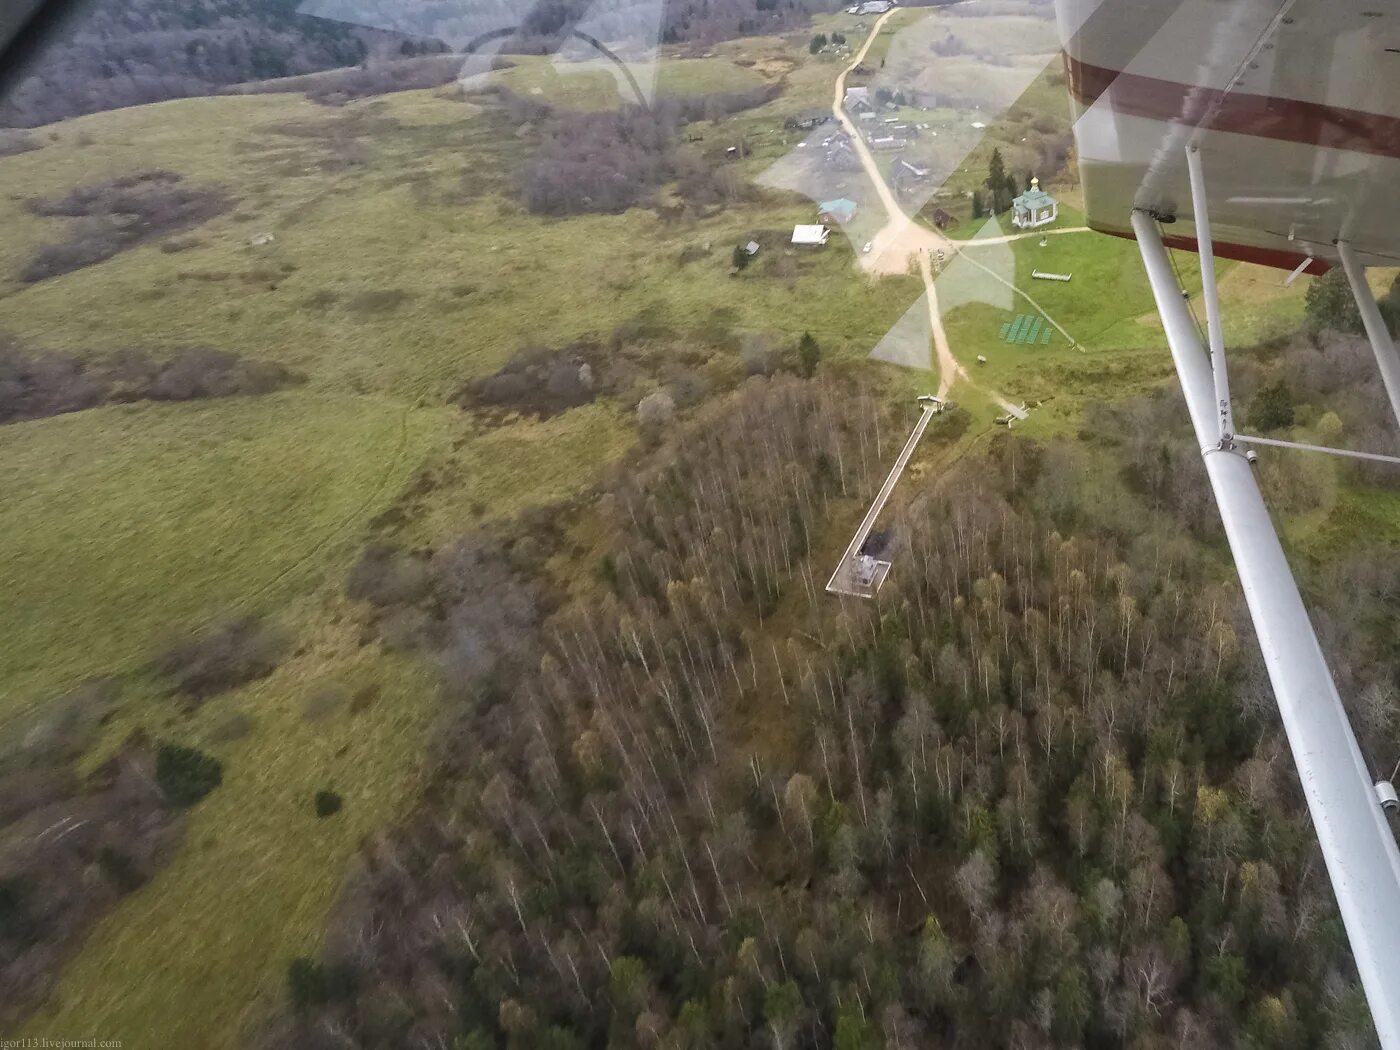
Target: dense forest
[(1035, 796)]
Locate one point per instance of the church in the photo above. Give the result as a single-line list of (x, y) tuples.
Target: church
[(1034, 208)]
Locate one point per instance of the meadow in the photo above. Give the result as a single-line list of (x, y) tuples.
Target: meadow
[(379, 250)]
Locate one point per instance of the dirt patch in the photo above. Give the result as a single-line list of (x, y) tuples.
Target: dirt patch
[(773, 67), (377, 300)]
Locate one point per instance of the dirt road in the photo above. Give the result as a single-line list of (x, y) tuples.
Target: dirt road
[(902, 239)]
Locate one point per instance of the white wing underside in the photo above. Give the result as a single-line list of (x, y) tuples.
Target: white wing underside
[(1294, 104)]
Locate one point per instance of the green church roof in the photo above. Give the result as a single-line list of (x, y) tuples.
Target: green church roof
[(1034, 198)]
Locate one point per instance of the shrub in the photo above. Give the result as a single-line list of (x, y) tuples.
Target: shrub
[(227, 655), (655, 412), (116, 215), (758, 357), (809, 354), (1272, 408), (310, 983), (599, 162), (384, 576), (200, 372), (185, 775), (16, 141), (17, 926), (120, 869), (328, 803), (35, 385)]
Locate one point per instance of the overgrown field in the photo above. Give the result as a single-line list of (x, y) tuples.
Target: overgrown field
[(379, 251)]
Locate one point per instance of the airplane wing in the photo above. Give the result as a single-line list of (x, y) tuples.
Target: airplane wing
[(1294, 105)]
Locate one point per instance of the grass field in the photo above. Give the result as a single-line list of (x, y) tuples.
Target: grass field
[(126, 525), (400, 266), (598, 84)]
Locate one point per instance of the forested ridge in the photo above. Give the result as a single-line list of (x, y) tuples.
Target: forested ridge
[(129, 52), (1035, 796)]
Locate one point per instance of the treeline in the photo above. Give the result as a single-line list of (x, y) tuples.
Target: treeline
[(35, 384), (152, 50), (1035, 796)]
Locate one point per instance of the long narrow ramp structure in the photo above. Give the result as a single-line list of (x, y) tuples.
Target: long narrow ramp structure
[(847, 578)]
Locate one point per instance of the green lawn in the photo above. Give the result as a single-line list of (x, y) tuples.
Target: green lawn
[(1107, 308)]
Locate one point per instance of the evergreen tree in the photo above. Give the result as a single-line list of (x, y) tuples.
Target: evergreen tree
[(979, 210), (996, 183), (185, 775), (1272, 408), (1329, 303), (809, 354)]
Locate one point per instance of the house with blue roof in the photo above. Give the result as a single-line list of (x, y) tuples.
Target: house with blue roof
[(839, 211)]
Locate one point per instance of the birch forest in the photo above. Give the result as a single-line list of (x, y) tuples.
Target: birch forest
[(1035, 795)]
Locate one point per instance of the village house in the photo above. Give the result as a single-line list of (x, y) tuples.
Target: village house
[(858, 98), (839, 211), (809, 236), (842, 157)]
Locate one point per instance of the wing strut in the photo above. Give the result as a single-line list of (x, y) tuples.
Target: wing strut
[(1344, 801), (1381, 343), (1214, 327)]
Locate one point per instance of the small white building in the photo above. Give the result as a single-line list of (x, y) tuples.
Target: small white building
[(874, 7), (809, 236)]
